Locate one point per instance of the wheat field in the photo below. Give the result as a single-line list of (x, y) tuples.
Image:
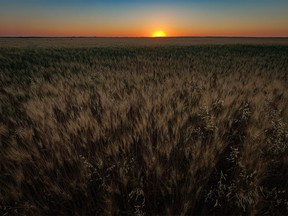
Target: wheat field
[(144, 130)]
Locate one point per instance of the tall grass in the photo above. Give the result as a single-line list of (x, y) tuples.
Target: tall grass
[(198, 130)]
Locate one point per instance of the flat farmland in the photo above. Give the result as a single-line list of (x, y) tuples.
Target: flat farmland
[(143, 126), (88, 42)]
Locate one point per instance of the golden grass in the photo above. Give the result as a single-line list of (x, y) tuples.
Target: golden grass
[(194, 130)]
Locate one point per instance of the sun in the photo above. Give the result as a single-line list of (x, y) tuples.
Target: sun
[(159, 34)]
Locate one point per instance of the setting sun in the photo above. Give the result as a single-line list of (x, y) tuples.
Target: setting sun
[(159, 34)]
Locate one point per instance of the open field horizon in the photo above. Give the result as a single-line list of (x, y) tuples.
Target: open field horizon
[(74, 42), (147, 107)]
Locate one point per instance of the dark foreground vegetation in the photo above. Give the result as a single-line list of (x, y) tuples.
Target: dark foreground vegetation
[(192, 130)]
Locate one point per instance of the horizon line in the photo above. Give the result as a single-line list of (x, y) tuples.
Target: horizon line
[(232, 36)]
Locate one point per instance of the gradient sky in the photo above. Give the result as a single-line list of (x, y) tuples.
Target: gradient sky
[(142, 18)]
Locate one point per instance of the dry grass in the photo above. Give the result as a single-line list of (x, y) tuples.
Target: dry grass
[(188, 130)]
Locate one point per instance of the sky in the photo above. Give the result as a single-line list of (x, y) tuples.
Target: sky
[(127, 18)]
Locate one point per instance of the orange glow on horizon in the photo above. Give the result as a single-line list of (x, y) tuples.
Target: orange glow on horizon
[(51, 30)]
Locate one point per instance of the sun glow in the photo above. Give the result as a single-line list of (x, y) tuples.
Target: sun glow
[(159, 34)]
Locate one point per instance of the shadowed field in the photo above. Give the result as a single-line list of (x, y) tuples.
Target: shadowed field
[(145, 130), (88, 42)]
